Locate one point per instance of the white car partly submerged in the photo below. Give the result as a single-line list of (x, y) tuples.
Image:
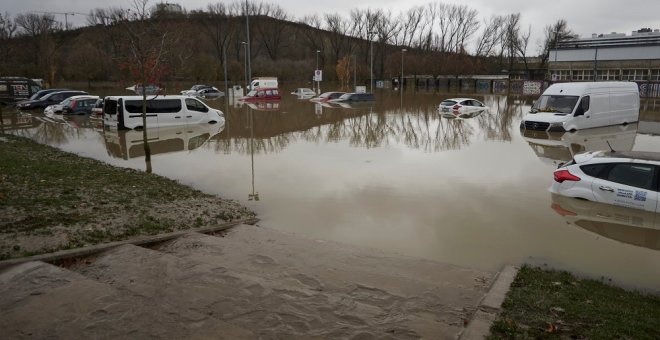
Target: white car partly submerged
[(628, 179)]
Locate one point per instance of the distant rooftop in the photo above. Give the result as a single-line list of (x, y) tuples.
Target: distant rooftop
[(641, 37)]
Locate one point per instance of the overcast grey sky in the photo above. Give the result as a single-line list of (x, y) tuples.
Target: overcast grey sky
[(583, 16)]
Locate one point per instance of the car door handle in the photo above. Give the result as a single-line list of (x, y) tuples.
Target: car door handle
[(177, 117), (188, 116), (604, 188)]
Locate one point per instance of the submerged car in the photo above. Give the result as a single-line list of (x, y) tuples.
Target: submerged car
[(79, 105), (203, 91), (304, 92), (628, 179), (354, 97), (262, 95), (326, 96), (49, 99), (461, 105)]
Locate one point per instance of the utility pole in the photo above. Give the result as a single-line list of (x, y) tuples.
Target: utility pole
[(371, 41), (318, 84), (247, 24), (403, 50)]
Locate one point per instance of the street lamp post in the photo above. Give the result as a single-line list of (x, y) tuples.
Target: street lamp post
[(403, 50), (372, 62), (318, 84), (247, 29), (245, 63)]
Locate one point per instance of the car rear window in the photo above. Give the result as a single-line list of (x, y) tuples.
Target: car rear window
[(595, 170)]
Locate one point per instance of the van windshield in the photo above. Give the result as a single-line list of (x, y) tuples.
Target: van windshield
[(558, 104)]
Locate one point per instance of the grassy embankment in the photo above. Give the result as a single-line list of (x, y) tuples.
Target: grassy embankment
[(52, 200), (556, 305)]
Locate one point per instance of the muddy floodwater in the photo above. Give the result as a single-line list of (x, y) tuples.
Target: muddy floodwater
[(469, 190)]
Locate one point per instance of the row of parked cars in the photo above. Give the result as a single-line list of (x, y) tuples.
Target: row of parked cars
[(64, 101)]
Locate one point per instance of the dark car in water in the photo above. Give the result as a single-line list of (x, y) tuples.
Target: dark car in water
[(354, 97), (49, 99), (41, 93)]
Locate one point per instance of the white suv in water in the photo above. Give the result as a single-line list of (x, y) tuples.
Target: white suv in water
[(629, 179)]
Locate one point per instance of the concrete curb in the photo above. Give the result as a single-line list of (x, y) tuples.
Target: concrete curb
[(143, 240), (490, 306)]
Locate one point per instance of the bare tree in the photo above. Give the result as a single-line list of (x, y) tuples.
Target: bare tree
[(489, 37), (411, 21), (108, 18), (521, 47), (7, 26), (7, 30), (145, 57), (553, 34), (272, 28), (42, 28), (338, 29)]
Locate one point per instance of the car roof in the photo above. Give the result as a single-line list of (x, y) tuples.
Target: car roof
[(149, 97), (65, 91), (642, 155), (84, 96), (459, 99)]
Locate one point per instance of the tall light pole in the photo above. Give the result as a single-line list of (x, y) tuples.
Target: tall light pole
[(318, 84), (372, 62), (354, 71), (403, 50), (247, 29), (245, 66)]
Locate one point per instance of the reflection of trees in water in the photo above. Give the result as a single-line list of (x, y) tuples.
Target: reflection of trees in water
[(242, 145), (55, 132), (418, 127), (503, 112)]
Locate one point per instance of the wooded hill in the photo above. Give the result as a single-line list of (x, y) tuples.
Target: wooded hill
[(194, 45)]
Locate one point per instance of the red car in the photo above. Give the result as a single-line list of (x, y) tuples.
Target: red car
[(262, 94)]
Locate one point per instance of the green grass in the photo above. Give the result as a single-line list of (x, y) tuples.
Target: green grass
[(51, 200), (556, 305)]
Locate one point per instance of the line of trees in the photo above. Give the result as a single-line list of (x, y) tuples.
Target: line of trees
[(440, 38)]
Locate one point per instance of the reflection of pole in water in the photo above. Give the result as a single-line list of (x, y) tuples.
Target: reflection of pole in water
[(2, 120), (253, 195)]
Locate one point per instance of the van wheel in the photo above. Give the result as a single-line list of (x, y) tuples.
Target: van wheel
[(137, 128), (624, 123), (212, 122)]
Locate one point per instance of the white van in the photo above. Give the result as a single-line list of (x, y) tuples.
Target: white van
[(263, 82), (577, 106), (125, 112)]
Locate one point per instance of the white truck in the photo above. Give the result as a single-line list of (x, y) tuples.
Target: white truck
[(263, 83), (577, 106)]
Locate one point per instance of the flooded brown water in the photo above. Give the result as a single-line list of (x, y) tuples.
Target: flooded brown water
[(397, 176)]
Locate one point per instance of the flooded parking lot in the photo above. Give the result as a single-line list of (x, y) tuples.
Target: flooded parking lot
[(396, 175)]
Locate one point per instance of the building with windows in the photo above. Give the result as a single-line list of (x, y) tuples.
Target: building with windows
[(614, 56)]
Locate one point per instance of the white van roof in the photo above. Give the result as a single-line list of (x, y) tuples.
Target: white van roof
[(149, 97), (578, 88)]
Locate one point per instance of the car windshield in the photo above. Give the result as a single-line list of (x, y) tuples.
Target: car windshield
[(558, 104), (37, 95), (448, 102), (252, 93), (345, 96), (66, 102)]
